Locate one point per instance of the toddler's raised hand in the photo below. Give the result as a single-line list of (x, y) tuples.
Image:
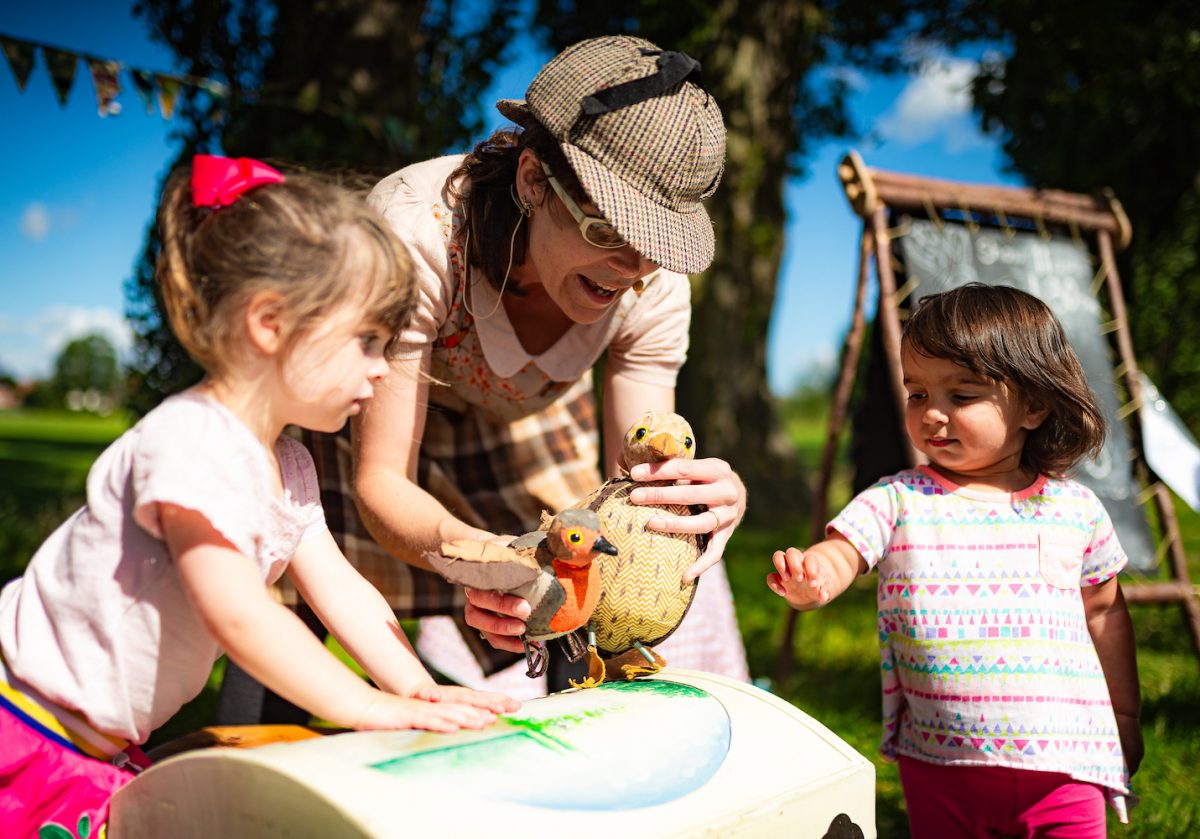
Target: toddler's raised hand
[(496, 702), (389, 712), (805, 580)]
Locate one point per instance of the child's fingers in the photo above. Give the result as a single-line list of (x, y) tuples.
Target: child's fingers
[(814, 570), (428, 693), (795, 563), (775, 584), (496, 702), (779, 559), (395, 712), (465, 716), (450, 716)]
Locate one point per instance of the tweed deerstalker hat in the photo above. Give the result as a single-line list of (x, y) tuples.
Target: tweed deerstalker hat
[(643, 137)]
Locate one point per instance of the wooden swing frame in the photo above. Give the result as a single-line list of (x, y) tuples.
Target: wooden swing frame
[(872, 194)]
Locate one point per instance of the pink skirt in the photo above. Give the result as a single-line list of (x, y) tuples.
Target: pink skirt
[(48, 789)]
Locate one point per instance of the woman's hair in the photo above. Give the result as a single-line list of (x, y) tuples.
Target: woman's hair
[(1010, 336), (484, 182), (314, 242)]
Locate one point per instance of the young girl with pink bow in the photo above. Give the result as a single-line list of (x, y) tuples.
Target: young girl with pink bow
[(286, 291)]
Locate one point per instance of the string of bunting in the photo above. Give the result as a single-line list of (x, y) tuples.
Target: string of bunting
[(152, 87)]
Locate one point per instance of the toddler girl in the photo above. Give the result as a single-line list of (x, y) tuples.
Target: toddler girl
[(1010, 690), (286, 291)]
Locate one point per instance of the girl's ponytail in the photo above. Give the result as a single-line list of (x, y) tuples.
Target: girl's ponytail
[(187, 312)]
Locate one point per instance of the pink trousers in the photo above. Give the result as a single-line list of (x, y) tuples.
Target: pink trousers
[(948, 802), (49, 790)]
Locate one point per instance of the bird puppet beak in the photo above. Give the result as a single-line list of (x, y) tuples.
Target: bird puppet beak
[(603, 546), (665, 446)]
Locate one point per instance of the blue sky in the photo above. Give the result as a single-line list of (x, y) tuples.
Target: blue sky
[(80, 189)]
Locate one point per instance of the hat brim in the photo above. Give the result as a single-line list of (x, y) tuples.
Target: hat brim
[(514, 109), (680, 242)]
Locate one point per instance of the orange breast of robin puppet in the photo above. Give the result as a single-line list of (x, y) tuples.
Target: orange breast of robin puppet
[(582, 587)]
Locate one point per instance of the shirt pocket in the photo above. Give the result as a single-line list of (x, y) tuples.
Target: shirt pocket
[(1060, 561)]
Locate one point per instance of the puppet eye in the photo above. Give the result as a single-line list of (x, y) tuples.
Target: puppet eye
[(688, 442), (574, 537), (641, 432)]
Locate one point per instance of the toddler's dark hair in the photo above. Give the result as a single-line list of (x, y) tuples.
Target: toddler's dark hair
[(1010, 336), (312, 241)]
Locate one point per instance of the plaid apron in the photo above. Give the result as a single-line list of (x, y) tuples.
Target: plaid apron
[(496, 452)]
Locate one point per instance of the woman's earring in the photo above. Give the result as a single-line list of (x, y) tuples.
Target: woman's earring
[(525, 208)]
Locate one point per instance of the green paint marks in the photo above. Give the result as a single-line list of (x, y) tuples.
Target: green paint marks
[(655, 686), (510, 741)]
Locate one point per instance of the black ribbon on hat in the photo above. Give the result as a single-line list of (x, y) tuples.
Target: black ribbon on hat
[(673, 68)]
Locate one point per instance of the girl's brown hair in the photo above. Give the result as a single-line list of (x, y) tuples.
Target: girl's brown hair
[(1008, 335), (314, 242), (484, 182)]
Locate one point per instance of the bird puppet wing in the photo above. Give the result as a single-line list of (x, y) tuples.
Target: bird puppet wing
[(483, 565)]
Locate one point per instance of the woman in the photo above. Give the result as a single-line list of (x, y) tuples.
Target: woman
[(550, 245)]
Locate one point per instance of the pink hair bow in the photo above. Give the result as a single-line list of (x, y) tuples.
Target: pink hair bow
[(219, 181)]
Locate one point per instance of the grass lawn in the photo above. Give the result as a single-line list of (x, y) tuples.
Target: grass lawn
[(44, 459)]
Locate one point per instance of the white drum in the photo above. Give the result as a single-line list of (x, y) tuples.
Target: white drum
[(683, 754)]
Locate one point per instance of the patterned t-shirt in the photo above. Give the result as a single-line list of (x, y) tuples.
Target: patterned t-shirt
[(986, 654)]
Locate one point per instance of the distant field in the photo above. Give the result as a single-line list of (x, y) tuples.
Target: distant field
[(44, 459)]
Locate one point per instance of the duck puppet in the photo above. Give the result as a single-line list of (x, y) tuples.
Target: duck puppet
[(553, 568)]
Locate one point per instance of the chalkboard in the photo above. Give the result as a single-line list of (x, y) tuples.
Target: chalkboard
[(1056, 269)]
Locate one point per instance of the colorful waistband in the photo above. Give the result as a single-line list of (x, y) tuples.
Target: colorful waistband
[(64, 727)]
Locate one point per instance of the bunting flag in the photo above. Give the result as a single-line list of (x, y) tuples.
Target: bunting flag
[(20, 59), (143, 83), (62, 66), (168, 89), (106, 77), (106, 80)]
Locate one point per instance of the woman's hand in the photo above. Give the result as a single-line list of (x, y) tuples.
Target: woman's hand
[(500, 618), (710, 482)]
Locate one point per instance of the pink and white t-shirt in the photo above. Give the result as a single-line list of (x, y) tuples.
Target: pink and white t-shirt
[(100, 624), (986, 654)]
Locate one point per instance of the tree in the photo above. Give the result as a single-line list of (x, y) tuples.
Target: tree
[(1105, 93), (87, 375), (362, 85)]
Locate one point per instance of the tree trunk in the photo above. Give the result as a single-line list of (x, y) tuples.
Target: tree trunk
[(753, 72)]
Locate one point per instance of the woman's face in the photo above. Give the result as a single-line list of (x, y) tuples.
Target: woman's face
[(582, 280)]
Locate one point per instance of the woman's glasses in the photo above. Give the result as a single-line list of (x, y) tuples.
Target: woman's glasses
[(595, 230)]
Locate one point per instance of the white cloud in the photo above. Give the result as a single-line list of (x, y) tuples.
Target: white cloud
[(936, 103), (35, 221), (29, 346)]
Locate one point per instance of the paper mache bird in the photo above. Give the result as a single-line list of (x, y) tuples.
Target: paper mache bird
[(554, 569), (643, 597)]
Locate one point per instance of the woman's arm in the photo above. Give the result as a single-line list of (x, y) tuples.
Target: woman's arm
[(1111, 629), (402, 517), (273, 645), (709, 482)]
